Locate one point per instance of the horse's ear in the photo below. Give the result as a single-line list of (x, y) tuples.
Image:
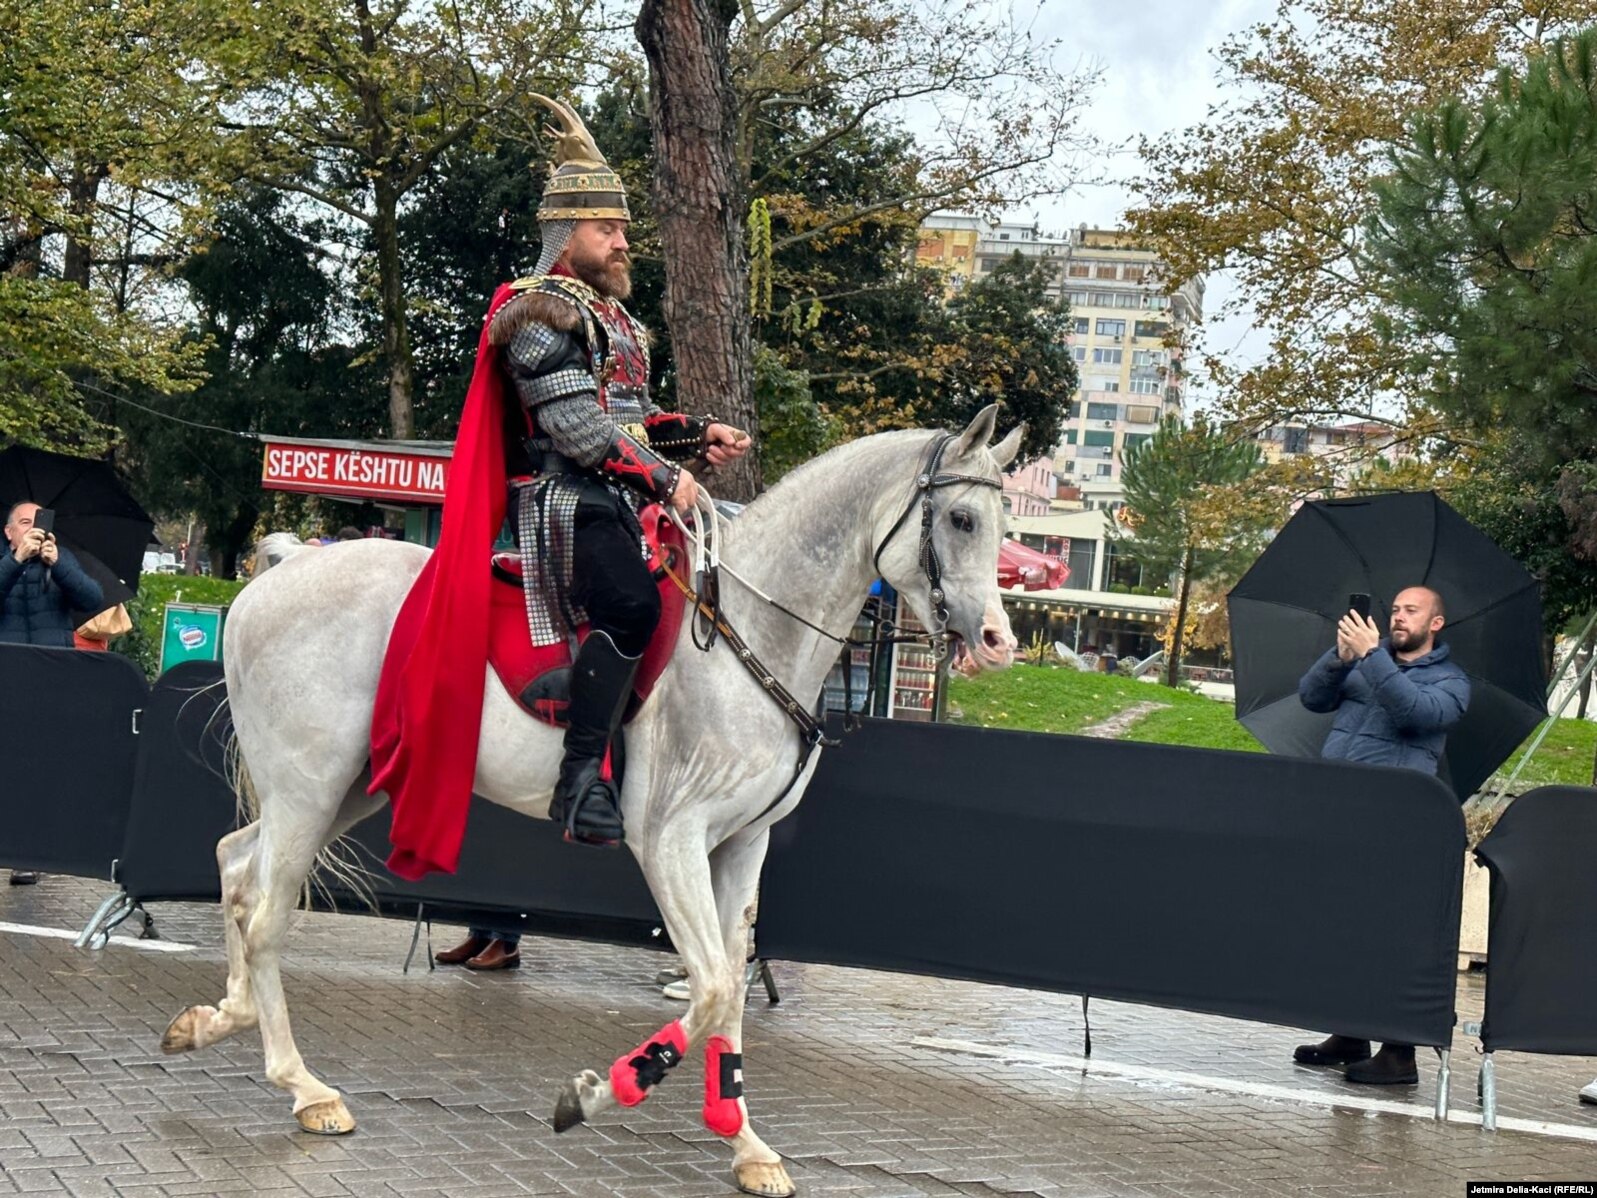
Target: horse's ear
[(979, 433), (1004, 452)]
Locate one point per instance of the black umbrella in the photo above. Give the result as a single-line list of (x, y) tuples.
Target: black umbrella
[(95, 516), (1285, 609)]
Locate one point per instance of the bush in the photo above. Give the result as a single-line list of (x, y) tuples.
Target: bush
[(148, 607)]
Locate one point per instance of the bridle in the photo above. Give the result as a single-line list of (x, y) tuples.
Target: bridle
[(927, 481), (709, 623), (707, 608)]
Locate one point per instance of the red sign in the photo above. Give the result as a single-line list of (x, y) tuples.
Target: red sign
[(355, 472)]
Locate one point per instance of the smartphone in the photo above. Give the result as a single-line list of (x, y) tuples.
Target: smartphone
[(1359, 603), (44, 519)]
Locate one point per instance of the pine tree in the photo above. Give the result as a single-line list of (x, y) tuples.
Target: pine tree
[(1187, 511)]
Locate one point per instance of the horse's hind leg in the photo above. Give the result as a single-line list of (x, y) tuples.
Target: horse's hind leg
[(293, 830), (200, 1027), (735, 871)]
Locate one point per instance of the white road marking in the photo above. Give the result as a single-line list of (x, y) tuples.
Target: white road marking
[(153, 946), (1200, 1081)]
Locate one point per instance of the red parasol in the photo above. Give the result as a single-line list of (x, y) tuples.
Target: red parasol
[(1019, 565)]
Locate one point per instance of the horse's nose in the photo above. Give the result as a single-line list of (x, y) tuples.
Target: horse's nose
[(998, 643)]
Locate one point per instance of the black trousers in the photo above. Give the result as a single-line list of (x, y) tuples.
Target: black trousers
[(609, 577)]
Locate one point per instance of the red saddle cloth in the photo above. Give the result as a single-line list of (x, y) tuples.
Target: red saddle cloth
[(538, 677)]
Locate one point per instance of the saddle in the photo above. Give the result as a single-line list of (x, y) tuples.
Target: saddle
[(538, 677)]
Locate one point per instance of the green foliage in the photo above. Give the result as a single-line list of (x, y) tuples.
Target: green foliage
[(1512, 496), (52, 334), (106, 164), (265, 307), (1487, 250), (1192, 513), (1005, 343), (147, 610), (793, 428), (1181, 487)]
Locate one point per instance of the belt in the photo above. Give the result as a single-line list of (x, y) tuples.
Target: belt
[(549, 461)]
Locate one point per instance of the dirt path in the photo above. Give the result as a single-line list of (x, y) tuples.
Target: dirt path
[(1115, 726)]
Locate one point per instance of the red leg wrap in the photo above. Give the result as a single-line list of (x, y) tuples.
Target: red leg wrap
[(635, 1073), (723, 1086)]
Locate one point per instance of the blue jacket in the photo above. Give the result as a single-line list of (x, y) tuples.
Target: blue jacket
[(33, 613), (1388, 712)]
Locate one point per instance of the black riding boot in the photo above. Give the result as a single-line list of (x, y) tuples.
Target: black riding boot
[(601, 682)]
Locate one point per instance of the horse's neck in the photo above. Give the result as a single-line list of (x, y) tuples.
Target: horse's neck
[(808, 543)]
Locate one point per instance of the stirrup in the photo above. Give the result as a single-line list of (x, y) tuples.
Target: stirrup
[(592, 789)]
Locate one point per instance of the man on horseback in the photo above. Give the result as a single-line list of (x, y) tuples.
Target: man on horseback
[(590, 448)]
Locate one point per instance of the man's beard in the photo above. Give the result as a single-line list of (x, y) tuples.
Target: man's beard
[(610, 277), (1406, 641)]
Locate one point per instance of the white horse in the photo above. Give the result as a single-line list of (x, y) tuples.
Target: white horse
[(708, 754)]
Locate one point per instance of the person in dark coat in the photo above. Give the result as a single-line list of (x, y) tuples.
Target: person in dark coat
[(1395, 700), (41, 585)]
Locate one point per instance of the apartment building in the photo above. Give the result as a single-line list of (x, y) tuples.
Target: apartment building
[(1030, 490), (1349, 449), (1126, 333), (948, 243)]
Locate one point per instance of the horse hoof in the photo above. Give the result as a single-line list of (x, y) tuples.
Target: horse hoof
[(329, 1118), (568, 1108), (766, 1178), (180, 1034)]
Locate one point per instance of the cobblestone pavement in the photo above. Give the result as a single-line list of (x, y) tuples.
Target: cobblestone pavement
[(452, 1077)]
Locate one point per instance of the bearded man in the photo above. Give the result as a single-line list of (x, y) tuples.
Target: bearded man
[(559, 409), (1394, 700)]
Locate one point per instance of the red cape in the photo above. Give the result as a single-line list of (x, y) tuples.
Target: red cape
[(429, 699)]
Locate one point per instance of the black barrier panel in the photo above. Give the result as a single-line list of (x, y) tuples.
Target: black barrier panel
[(1541, 947), (1307, 893), (66, 782), (512, 869)]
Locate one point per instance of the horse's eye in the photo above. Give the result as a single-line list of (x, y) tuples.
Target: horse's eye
[(962, 521)]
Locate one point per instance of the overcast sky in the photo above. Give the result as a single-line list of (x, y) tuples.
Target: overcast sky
[(1159, 75)]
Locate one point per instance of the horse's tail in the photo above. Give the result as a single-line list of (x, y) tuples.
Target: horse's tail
[(273, 548), (337, 864)]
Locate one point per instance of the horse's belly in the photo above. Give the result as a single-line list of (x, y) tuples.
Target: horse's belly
[(518, 757)]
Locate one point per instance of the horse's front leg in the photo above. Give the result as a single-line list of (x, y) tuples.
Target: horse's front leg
[(677, 867), (735, 871)]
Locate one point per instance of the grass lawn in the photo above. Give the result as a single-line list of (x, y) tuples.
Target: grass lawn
[(1564, 758), (1044, 699)]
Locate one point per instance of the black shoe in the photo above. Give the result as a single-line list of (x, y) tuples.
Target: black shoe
[(601, 683), (1333, 1050), (23, 877), (1392, 1066)]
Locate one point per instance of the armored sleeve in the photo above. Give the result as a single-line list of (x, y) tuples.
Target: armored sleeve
[(553, 379), (676, 435)]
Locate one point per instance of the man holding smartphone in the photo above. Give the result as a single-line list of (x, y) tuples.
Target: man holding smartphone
[(41, 583), (1395, 700)]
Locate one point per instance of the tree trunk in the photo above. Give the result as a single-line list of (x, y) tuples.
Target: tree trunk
[(191, 553), (1581, 658), (700, 203), (83, 193), (1172, 667), (396, 330)]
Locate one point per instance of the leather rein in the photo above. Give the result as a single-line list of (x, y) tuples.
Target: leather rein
[(707, 607)]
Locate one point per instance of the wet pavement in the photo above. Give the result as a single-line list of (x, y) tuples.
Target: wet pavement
[(867, 1083)]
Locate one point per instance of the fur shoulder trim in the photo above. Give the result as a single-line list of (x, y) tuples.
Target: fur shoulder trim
[(550, 307)]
